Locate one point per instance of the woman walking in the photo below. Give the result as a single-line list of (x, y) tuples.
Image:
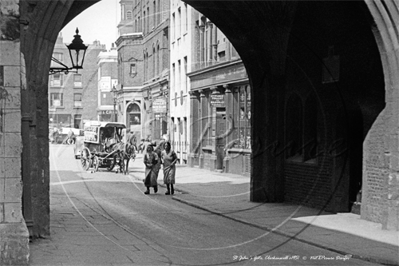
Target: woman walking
[(158, 151), (169, 159), (150, 160)]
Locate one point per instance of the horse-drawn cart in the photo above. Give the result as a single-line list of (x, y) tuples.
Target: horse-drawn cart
[(98, 145)]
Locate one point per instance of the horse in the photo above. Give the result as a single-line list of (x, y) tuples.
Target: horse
[(124, 152)]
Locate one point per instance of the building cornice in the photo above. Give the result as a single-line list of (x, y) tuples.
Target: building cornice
[(214, 67)]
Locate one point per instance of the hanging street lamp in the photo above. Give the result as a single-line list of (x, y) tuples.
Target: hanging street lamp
[(77, 52)]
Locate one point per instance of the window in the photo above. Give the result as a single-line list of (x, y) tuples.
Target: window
[(77, 100), (77, 120), (222, 56), (144, 22), (129, 15), (159, 11), (178, 79), (148, 19), (154, 19), (173, 81), (153, 61), (179, 23), (56, 80), (56, 100), (134, 114), (173, 26), (243, 117), (185, 74), (59, 56), (133, 71), (186, 11), (77, 80)]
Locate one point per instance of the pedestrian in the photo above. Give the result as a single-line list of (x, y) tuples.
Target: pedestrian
[(141, 146), (169, 159), (150, 160), (158, 151)]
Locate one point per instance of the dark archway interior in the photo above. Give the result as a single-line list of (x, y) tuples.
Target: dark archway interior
[(336, 37)]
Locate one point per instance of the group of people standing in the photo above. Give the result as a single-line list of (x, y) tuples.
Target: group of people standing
[(153, 159)]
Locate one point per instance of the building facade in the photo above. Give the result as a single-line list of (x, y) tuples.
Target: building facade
[(143, 65), (73, 97), (107, 80), (220, 102), (182, 27)]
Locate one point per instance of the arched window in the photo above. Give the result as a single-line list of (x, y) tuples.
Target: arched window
[(153, 60), (293, 129), (158, 60), (133, 115), (145, 65)]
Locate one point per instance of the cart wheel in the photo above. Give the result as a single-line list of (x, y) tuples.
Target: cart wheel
[(85, 158), (112, 163), (95, 163)]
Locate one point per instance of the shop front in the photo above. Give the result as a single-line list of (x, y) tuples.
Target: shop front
[(220, 126)]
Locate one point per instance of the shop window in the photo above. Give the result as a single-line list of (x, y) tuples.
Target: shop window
[(61, 120), (242, 118), (56, 100)]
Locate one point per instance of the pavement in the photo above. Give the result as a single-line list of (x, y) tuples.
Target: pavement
[(227, 195)]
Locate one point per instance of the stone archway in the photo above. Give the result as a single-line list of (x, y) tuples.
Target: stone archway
[(260, 32), (380, 159)]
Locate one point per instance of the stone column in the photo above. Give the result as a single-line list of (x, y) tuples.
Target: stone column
[(194, 128), (229, 124), (202, 127), (14, 235)]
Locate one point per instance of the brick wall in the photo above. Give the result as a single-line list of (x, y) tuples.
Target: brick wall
[(307, 184)]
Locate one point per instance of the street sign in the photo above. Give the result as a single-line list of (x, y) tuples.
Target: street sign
[(159, 105), (217, 100)]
